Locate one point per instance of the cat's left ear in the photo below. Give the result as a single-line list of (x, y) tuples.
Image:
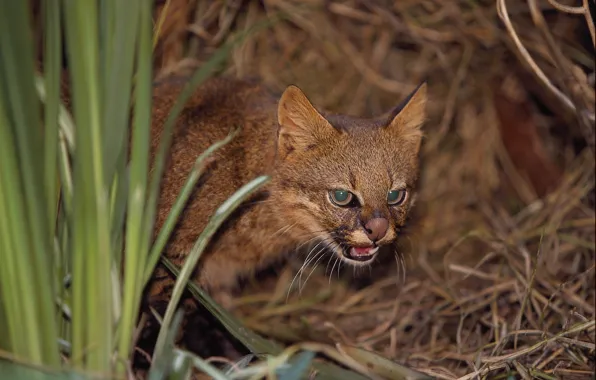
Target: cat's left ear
[(406, 120)]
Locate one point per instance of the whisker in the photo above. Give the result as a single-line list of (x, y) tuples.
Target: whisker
[(320, 254), (403, 265), (332, 268), (306, 243), (341, 262), (309, 240), (397, 268), (329, 262), (284, 229), (308, 260), (401, 262), (297, 274)]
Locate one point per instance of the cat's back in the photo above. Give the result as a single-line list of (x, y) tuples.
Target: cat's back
[(214, 108), (212, 112)]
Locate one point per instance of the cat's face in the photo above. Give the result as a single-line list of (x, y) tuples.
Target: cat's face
[(346, 182)]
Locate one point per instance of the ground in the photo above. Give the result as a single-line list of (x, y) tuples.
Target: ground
[(500, 254)]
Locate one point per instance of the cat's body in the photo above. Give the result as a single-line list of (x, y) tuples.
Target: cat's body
[(216, 109), (339, 182)]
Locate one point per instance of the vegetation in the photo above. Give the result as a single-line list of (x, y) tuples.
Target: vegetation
[(72, 275)]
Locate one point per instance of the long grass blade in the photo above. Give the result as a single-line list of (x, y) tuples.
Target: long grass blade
[(23, 189), (91, 247), (12, 324), (51, 87), (5, 337), (220, 215), (65, 122), (162, 363), (121, 23), (137, 242), (52, 69)]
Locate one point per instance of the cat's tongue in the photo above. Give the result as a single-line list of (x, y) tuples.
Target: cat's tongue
[(362, 250), (363, 253)]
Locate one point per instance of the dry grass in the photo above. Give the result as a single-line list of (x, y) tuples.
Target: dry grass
[(501, 262)]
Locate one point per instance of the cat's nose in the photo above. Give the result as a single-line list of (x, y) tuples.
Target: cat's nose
[(376, 228)]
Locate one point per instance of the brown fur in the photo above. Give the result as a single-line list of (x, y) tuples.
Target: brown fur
[(307, 153)]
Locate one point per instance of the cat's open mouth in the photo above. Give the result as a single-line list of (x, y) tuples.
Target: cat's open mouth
[(361, 254)]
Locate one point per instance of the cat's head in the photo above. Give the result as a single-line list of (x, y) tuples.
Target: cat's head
[(344, 181)]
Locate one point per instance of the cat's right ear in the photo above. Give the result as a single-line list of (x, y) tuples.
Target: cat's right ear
[(407, 119), (301, 126)]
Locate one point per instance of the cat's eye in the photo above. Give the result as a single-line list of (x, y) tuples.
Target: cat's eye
[(341, 197), (396, 197)]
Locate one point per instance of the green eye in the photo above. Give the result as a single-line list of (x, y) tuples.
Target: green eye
[(341, 197), (396, 197)]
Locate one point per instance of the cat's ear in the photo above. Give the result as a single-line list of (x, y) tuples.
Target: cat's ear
[(301, 126), (406, 120)]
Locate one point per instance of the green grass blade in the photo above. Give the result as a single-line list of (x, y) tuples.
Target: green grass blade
[(65, 140), (65, 121), (187, 189), (18, 371), (5, 337), (52, 70), (200, 364), (65, 135), (118, 202), (65, 212), (220, 215), (161, 365), (51, 84), (91, 247), (137, 242), (119, 29), (107, 38), (297, 367), (28, 213), (121, 23), (13, 325)]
